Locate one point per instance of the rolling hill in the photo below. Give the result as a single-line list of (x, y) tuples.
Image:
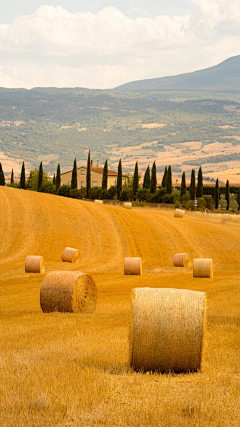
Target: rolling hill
[(224, 77)]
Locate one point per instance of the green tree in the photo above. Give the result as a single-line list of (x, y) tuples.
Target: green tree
[(183, 189), (40, 176), (32, 182), (153, 183), (12, 177), (23, 178), (105, 176), (238, 198), (192, 189), (135, 180), (58, 177), (119, 179), (164, 180), (147, 179), (2, 177), (227, 194), (88, 178), (199, 192), (74, 175), (169, 180), (54, 180), (216, 194)]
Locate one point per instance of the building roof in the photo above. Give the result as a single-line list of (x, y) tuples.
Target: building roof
[(98, 170)]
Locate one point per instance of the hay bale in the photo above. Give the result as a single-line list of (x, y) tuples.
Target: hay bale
[(99, 202), (34, 264), (179, 213), (68, 291), (133, 266), (127, 205), (182, 260), (166, 330), (203, 267), (70, 255)]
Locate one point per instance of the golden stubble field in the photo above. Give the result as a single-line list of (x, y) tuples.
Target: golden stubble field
[(72, 369)]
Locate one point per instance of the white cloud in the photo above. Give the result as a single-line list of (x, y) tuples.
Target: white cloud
[(54, 47)]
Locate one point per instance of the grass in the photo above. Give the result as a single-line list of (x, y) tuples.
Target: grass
[(71, 369)]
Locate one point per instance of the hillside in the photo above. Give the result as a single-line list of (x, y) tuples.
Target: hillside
[(66, 369), (224, 77)]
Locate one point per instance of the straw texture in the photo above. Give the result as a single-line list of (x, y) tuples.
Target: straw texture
[(167, 328), (34, 264), (203, 267), (127, 205), (70, 255), (179, 213), (133, 266), (182, 260), (99, 202), (227, 217), (66, 291)]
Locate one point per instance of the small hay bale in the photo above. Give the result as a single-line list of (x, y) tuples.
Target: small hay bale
[(99, 202), (179, 213), (34, 264), (182, 260), (133, 266), (70, 255), (203, 267), (127, 205), (166, 330), (68, 291)]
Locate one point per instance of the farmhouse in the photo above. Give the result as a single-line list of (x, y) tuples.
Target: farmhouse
[(96, 177)]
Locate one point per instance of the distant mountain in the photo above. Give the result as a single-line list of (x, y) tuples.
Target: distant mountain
[(224, 77)]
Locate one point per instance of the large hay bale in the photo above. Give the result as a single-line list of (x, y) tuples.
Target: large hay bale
[(68, 291), (34, 264), (166, 330), (179, 213), (70, 255), (133, 266), (203, 267), (127, 205), (99, 202), (182, 260)]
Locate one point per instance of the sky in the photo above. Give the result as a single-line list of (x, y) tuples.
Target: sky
[(101, 44)]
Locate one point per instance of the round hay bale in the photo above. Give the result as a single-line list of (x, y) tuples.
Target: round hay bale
[(99, 202), (182, 260), (68, 291), (203, 267), (70, 255), (179, 213), (127, 205), (133, 266), (166, 330), (34, 264)]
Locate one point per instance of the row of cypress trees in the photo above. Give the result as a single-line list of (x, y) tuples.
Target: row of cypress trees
[(194, 191)]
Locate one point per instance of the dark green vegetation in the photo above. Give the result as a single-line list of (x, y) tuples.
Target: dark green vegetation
[(74, 175), (105, 176), (222, 77), (22, 178), (119, 179), (2, 177)]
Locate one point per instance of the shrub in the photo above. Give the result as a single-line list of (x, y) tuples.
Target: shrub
[(201, 202), (13, 185), (64, 190), (170, 198), (103, 195), (143, 194), (189, 205), (177, 204), (74, 193), (185, 197), (210, 203), (123, 196), (138, 203), (82, 193), (94, 193), (48, 187), (112, 192), (157, 197)]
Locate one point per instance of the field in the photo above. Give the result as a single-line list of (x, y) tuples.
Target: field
[(72, 369)]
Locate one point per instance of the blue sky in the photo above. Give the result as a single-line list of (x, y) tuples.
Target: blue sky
[(99, 44)]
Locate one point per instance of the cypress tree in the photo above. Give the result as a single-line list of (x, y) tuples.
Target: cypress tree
[(22, 177), (135, 179), (169, 180), (238, 200), (105, 176), (119, 179), (88, 178), (58, 177), (164, 180), (199, 192), (74, 175), (153, 183), (40, 176), (147, 178), (227, 194), (2, 177), (192, 189), (54, 179), (12, 177), (216, 194), (183, 185)]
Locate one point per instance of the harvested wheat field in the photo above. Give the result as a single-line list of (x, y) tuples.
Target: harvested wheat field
[(72, 369)]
